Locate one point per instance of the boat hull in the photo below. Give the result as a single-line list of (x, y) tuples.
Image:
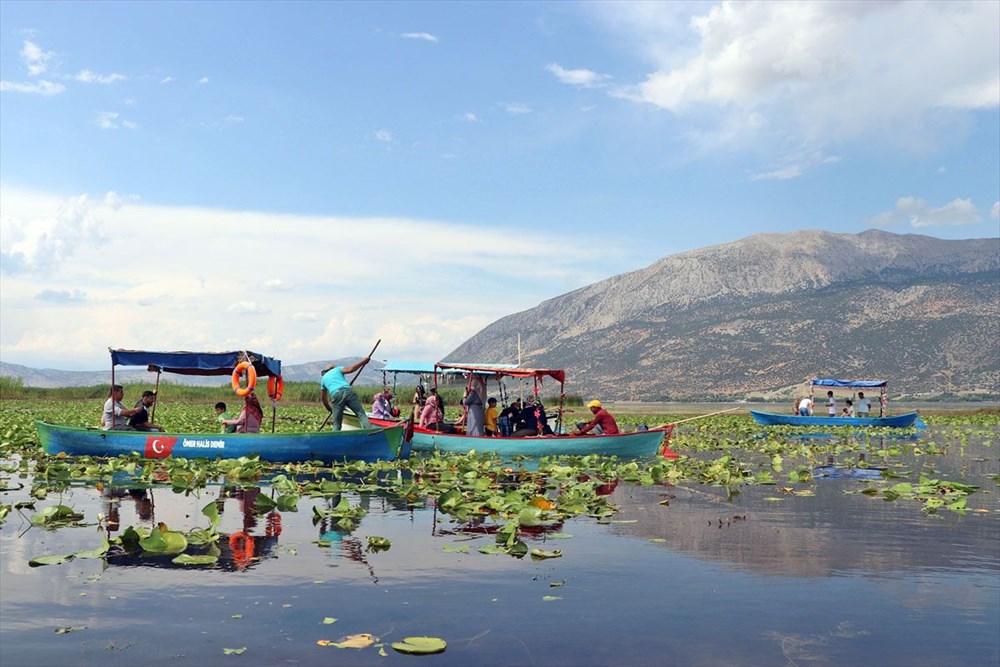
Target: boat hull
[(385, 444), (906, 420), (624, 445)]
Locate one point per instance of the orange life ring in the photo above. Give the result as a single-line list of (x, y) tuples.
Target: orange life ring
[(251, 378), (275, 387)]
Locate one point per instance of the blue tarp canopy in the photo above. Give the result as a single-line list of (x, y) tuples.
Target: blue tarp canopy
[(830, 382), (196, 363)]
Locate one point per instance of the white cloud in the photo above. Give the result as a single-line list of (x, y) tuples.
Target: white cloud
[(111, 120), (35, 59), (995, 211), (62, 296), (820, 72), (797, 166), (203, 80), (470, 117), (584, 78), (41, 87), (167, 79), (425, 36), (86, 76), (517, 108), (202, 278), (918, 214), (384, 135)]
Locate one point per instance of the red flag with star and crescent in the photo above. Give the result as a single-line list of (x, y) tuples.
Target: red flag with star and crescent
[(159, 446)]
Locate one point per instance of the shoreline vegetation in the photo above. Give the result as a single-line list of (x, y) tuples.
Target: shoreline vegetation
[(298, 393)]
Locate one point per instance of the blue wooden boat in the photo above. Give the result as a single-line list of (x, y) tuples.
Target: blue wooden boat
[(907, 420), (627, 445), (385, 444), (895, 421)]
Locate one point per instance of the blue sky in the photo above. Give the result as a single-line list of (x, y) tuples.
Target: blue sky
[(306, 178)]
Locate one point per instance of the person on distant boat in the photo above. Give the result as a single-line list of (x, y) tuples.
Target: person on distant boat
[(221, 416), (419, 399), (530, 419), (382, 407), (140, 420), (848, 409), (831, 405), (864, 405), (337, 394), (114, 416), (805, 406), (250, 416), (475, 417), (490, 427), (508, 418), (601, 418), (431, 415)]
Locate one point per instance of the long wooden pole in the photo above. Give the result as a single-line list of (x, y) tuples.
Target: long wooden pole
[(710, 414)]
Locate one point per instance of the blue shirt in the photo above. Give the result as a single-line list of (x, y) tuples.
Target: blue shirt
[(334, 379)]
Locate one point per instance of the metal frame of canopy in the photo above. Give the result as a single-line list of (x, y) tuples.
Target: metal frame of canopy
[(855, 384), (196, 363), (504, 370)]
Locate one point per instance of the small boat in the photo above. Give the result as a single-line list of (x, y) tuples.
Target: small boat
[(906, 420), (627, 445), (384, 443)]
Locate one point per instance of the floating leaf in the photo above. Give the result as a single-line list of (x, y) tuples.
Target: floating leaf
[(201, 559), (376, 543), (234, 651), (449, 548), (540, 554), (492, 549), (550, 598), (328, 620), (420, 645), (362, 640), (71, 628), (50, 560)]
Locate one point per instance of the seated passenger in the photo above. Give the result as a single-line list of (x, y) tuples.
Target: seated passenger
[(601, 418), (508, 418), (250, 416), (114, 415), (848, 408), (140, 420), (382, 407)]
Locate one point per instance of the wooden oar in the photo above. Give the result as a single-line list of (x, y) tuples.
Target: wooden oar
[(321, 426), (710, 414), (669, 427)]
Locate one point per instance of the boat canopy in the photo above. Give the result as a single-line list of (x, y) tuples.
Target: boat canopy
[(830, 382), (196, 363), (414, 367), (509, 370)]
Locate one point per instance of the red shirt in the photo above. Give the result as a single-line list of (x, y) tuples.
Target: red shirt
[(604, 419)]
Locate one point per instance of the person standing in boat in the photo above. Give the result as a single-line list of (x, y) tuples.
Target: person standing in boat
[(419, 399), (805, 406), (831, 405), (601, 418), (338, 394), (475, 416), (114, 416), (864, 405), (221, 416)]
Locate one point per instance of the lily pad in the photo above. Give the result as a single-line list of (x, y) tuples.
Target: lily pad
[(539, 553), (420, 645), (362, 640), (51, 560), (201, 559)]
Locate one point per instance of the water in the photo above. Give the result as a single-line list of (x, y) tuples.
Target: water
[(682, 575)]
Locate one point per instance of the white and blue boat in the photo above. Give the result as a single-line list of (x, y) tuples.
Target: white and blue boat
[(906, 420)]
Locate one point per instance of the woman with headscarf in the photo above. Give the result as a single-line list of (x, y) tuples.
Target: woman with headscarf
[(475, 414), (250, 416)]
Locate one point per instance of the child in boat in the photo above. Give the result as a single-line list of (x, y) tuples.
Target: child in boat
[(848, 409), (220, 416), (491, 416)]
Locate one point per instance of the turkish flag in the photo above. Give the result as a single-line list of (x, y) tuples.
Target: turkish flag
[(158, 446)]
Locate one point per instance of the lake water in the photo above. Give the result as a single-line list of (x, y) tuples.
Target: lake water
[(682, 575)]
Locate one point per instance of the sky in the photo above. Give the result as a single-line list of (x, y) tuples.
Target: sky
[(305, 178)]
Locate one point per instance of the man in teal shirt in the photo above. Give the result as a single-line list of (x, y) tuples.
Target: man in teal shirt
[(338, 394)]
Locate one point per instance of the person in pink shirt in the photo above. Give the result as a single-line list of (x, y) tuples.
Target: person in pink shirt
[(601, 418)]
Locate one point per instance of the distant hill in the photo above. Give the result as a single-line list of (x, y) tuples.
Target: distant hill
[(47, 377), (760, 315)]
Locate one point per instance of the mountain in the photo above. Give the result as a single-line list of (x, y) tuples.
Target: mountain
[(47, 377), (758, 316)]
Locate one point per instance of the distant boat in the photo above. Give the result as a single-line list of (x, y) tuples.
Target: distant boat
[(382, 443), (906, 420)]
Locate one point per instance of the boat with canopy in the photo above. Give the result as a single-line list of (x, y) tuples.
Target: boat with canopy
[(640, 443), (906, 420), (384, 442)]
